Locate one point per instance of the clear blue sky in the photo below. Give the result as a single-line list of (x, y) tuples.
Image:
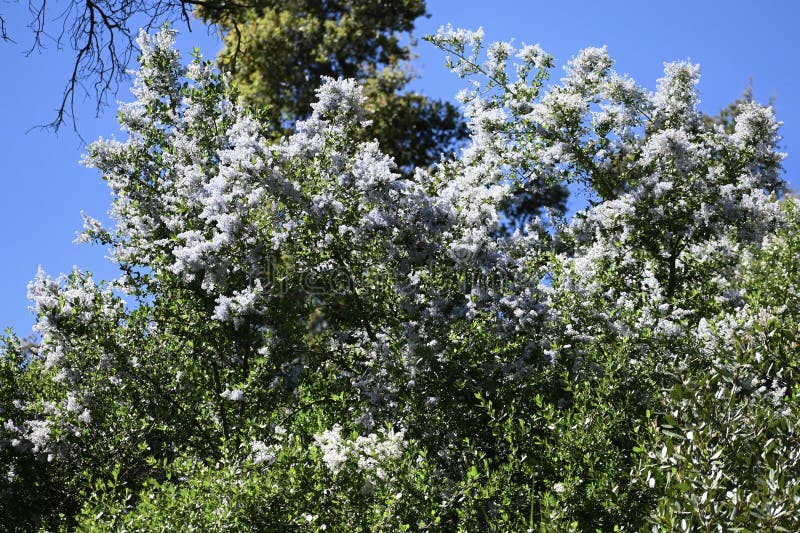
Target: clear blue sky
[(45, 188)]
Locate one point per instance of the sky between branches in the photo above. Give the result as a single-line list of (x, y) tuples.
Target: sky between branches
[(45, 188)]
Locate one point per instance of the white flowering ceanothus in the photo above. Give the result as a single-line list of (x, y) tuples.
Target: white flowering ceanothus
[(304, 282)]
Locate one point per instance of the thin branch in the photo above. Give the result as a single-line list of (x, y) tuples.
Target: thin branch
[(4, 30)]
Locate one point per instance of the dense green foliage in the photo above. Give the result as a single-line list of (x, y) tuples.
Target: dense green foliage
[(304, 338)]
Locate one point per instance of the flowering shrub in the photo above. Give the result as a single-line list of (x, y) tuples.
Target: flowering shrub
[(301, 337)]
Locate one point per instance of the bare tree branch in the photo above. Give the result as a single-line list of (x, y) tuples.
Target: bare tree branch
[(3, 31), (103, 40)]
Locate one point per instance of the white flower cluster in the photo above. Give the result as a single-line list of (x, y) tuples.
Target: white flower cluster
[(369, 452)]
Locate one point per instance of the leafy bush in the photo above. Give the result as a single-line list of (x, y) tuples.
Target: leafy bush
[(303, 338)]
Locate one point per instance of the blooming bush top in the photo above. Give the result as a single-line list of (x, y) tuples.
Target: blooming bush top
[(314, 340)]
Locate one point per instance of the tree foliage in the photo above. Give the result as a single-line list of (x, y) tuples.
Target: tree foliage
[(280, 52), (303, 338)]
